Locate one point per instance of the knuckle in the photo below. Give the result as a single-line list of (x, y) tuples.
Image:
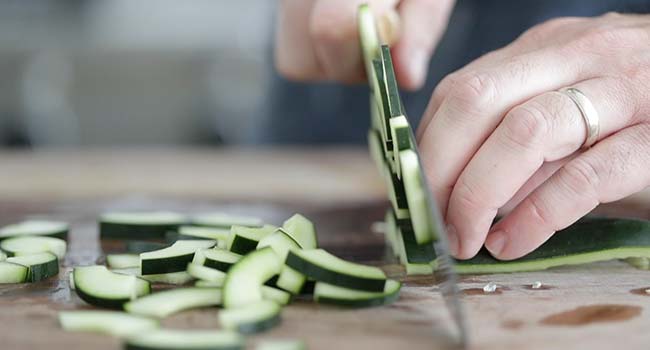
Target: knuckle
[(581, 176), (526, 125), (467, 196), (472, 92), (541, 212)]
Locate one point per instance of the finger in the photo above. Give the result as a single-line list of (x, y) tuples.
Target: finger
[(423, 22), (335, 37), (477, 103), (613, 169), (546, 128), (295, 57)]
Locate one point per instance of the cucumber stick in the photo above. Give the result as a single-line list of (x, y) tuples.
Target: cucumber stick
[(174, 278), (302, 231), (369, 37), (143, 225), (163, 304), (13, 273), (281, 242), (203, 232), (98, 286), (119, 324), (205, 273), (167, 339), (325, 267), (277, 295), (48, 228), (122, 261), (39, 266), (245, 279), (245, 239), (224, 220), (251, 318), (27, 245), (216, 258), (172, 259), (330, 294), (291, 280)]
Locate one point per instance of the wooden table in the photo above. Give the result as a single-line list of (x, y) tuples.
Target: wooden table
[(340, 191)]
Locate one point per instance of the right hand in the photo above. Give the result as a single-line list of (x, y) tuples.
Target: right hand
[(318, 39)]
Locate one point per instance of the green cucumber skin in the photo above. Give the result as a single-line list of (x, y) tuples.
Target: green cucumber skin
[(394, 101), (308, 287), (259, 326), (400, 192), (217, 265), (389, 299), (242, 245), (44, 271), (166, 265), (320, 274), (128, 346), (416, 253), (115, 304), (63, 234), (144, 246), (589, 235), (112, 230)]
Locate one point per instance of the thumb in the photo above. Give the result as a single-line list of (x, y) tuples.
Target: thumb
[(422, 24)]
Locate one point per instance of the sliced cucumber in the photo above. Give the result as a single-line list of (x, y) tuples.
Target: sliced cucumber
[(176, 278), (205, 273), (208, 284), (3, 256), (325, 267), (216, 258), (98, 286), (55, 229), (302, 231), (143, 225), (281, 242), (163, 304), (172, 259), (245, 239), (277, 295), (291, 280), (26, 245), (40, 266), (122, 261), (415, 253), (185, 340), (331, 294), (251, 318), (13, 273), (401, 134), (119, 324), (394, 102), (225, 220), (137, 247), (281, 344), (204, 232), (415, 188), (245, 279), (369, 37)]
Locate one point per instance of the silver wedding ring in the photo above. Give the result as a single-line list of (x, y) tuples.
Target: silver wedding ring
[(589, 114)]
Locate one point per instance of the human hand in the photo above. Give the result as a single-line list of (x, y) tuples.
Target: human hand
[(497, 134), (319, 40)]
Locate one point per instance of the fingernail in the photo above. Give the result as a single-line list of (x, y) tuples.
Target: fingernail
[(452, 237), (418, 68), (495, 242)]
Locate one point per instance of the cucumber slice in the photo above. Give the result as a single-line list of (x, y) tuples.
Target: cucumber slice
[(281, 344), (203, 232), (27, 245), (219, 259), (245, 279), (416, 197), (251, 318), (400, 131), (291, 280), (205, 273), (185, 340), (302, 231), (40, 266), (277, 295), (172, 259), (208, 284), (98, 286), (419, 268), (396, 193), (415, 253), (137, 247), (163, 304), (281, 242), (143, 225), (245, 239), (325, 267), (13, 273), (376, 152), (368, 37), (119, 324), (225, 220), (176, 278), (122, 261), (330, 294), (392, 91), (55, 229)]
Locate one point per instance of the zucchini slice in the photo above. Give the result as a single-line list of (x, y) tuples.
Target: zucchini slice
[(143, 225), (245, 239), (325, 267), (119, 324), (369, 37), (175, 278), (122, 261), (205, 273), (586, 241), (414, 188), (281, 344), (13, 273), (277, 295), (224, 220), (281, 242), (163, 304), (172, 259), (26, 245), (245, 279), (291, 280), (330, 294), (164, 339), (216, 258), (40, 266), (98, 286), (302, 231), (252, 318), (57, 229)]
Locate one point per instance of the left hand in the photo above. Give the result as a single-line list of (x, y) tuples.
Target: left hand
[(497, 134)]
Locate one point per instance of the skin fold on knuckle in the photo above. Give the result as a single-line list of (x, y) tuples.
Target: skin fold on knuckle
[(470, 95), (581, 178), (526, 127)]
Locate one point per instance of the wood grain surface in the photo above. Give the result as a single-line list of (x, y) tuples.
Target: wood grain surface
[(597, 306)]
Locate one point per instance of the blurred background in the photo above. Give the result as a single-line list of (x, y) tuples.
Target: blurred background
[(200, 72)]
